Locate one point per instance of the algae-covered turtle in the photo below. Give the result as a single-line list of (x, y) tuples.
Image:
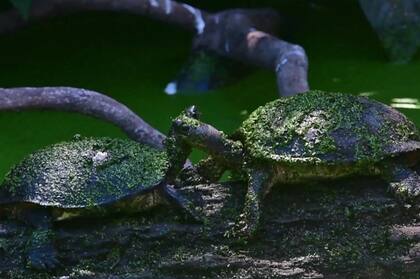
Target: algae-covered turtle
[(311, 136), (84, 177)]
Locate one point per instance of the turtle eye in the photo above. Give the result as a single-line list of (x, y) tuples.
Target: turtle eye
[(192, 112)]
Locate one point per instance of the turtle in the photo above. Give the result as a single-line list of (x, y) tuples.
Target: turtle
[(312, 136), (84, 177)]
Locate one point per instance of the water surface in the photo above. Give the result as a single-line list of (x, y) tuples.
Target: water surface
[(132, 59)]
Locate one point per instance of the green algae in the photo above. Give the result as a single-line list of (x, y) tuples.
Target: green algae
[(86, 172)]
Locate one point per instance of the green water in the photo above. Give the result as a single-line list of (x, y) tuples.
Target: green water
[(132, 59)]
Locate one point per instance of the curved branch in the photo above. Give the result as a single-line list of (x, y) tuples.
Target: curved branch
[(240, 34), (82, 101)]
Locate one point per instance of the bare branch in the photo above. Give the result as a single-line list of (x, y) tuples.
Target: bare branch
[(82, 101), (239, 34)]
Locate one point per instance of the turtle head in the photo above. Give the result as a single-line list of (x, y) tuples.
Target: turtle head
[(188, 117), (192, 112)]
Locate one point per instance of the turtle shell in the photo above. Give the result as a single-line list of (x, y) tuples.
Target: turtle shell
[(332, 128), (85, 172)]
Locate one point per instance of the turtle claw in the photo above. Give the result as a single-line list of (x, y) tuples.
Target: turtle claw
[(405, 183), (43, 258), (190, 176)]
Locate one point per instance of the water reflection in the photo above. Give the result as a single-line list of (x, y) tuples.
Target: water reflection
[(407, 103), (367, 94)]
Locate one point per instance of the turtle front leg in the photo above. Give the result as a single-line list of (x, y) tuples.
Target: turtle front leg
[(404, 183), (205, 171), (259, 183), (187, 132), (210, 168), (40, 249), (176, 197)]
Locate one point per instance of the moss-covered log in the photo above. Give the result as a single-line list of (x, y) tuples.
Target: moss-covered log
[(337, 230)]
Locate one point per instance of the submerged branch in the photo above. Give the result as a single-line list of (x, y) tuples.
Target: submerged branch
[(239, 34), (82, 101), (244, 35), (158, 9)]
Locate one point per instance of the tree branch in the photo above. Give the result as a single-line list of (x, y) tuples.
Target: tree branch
[(239, 34), (82, 101)]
